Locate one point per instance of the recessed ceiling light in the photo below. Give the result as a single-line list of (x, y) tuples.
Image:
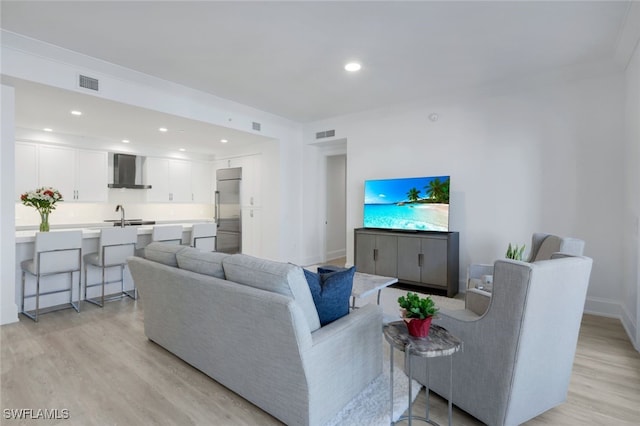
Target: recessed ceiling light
[(48, 129), (76, 112), (181, 149), (353, 67), (125, 140), (163, 129), (223, 141)]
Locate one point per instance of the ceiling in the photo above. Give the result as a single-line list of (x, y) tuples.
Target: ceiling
[(287, 58)]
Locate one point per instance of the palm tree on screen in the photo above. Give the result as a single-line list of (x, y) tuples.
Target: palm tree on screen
[(413, 194), (438, 190)]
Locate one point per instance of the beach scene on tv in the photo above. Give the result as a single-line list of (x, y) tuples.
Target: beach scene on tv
[(417, 204)]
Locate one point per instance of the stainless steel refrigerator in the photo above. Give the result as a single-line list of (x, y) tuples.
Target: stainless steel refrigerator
[(227, 210)]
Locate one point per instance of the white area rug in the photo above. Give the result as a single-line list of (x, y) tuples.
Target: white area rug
[(371, 406)]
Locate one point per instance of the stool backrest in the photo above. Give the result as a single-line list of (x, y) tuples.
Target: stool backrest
[(57, 251), (203, 236), (171, 234), (116, 245)]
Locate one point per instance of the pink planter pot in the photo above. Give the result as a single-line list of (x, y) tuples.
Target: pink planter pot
[(418, 327)]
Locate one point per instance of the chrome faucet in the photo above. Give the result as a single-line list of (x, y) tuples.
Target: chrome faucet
[(119, 208)]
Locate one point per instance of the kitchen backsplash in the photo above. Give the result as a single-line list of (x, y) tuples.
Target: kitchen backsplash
[(94, 213)]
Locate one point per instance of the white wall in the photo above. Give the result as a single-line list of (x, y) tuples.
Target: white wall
[(9, 309), (542, 157), (631, 258)]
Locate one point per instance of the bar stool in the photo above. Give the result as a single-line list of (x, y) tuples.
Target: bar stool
[(115, 246), (203, 236), (171, 234), (58, 252)]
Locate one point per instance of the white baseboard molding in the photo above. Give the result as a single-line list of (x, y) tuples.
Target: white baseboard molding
[(336, 254), (603, 307), (613, 309), (630, 327)]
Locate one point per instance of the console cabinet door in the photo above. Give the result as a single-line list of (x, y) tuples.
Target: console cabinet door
[(386, 255), (409, 258), (365, 249), (434, 263), (377, 254)]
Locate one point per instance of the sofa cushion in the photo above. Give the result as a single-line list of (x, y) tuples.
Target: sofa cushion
[(202, 262), (331, 292), (163, 253), (282, 278)]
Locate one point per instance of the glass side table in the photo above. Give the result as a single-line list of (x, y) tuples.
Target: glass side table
[(439, 343)]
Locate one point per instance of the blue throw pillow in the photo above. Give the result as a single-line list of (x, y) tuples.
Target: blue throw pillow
[(331, 293)]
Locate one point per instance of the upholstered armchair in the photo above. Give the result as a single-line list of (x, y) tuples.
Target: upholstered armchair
[(480, 276), (517, 358)]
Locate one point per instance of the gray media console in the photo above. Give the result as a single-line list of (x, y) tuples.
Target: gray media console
[(426, 259)]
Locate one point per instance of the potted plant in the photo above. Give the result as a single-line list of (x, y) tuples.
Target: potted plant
[(417, 313), (514, 253)]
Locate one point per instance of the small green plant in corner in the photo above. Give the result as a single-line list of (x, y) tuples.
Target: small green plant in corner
[(416, 307), (515, 253)]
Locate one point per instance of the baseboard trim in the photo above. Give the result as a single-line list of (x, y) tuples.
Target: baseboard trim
[(612, 309), (336, 254), (630, 327)]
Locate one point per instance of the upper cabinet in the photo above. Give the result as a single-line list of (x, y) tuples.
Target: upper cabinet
[(201, 187), (178, 181), (26, 168), (80, 175), (251, 189)]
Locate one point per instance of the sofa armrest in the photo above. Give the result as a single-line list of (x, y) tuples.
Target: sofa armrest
[(345, 357), (477, 300), (357, 318)]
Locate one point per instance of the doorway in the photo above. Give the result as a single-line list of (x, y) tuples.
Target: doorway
[(336, 214)]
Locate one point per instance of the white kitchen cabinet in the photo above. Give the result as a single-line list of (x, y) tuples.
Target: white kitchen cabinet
[(251, 181), (92, 176), (252, 231), (79, 175), (170, 180), (26, 168), (57, 169), (201, 182)]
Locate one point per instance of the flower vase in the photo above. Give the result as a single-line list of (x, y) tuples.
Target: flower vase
[(418, 327), (44, 222)]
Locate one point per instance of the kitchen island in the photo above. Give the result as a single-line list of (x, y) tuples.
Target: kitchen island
[(90, 234)]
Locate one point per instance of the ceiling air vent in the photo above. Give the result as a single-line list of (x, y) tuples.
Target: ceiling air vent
[(256, 126), (325, 134), (88, 83)]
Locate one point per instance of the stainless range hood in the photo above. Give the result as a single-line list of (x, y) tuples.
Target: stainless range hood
[(124, 172)]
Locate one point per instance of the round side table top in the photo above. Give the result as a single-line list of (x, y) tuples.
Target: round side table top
[(439, 342)]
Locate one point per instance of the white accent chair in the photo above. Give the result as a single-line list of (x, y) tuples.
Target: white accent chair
[(203, 236), (58, 252), (518, 356), (114, 247), (171, 234), (543, 246)]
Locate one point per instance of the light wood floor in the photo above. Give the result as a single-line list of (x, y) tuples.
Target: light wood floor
[(99, 365)]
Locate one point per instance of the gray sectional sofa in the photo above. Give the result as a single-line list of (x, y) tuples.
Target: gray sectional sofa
[(251, 325)]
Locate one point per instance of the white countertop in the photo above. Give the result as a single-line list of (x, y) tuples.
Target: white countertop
[(28, 236)]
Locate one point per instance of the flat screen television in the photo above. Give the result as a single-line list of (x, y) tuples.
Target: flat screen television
[(407, 204)]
